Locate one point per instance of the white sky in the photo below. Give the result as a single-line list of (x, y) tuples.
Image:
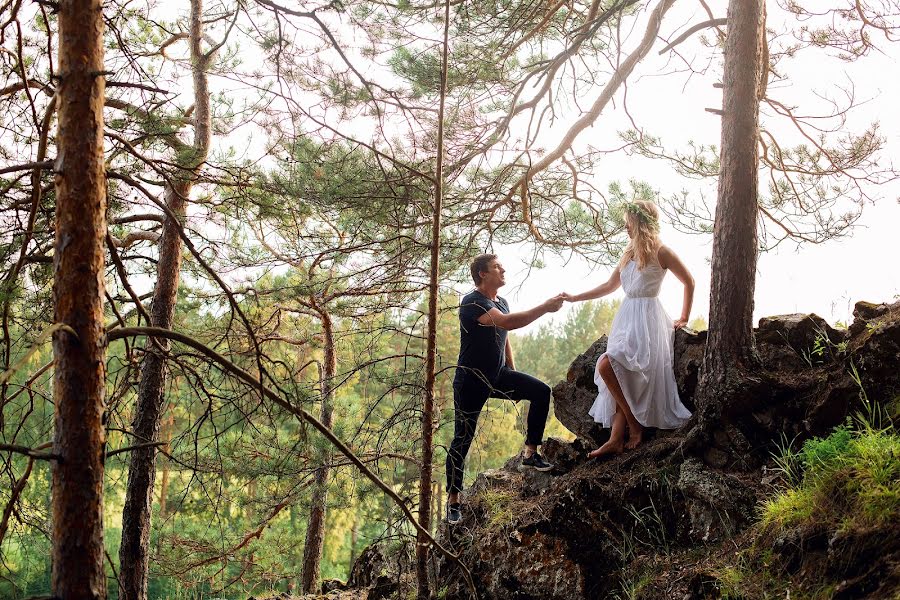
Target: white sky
[(826, 279)]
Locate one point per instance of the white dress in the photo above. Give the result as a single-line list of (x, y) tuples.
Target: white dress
[(641, 352)]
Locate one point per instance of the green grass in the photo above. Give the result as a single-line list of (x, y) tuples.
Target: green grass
[(499, 507), (731, 581), (850, 479), (845, 483), (632, 588)]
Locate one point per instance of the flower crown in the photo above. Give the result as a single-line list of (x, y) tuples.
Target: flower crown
[(642, 215)]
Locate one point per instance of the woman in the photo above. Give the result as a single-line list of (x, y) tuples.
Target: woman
[(635, 376)]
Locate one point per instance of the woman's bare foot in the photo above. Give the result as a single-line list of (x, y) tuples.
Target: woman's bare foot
[(635, 436), (613, 446)]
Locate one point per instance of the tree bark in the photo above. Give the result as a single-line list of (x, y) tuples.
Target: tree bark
[(136, 514), (315, 528), (166, 433), (354, 541), (78, 289), (735, 245), (423, 548), (730, 350)]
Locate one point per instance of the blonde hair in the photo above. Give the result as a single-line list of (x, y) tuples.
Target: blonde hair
[(642, 217)]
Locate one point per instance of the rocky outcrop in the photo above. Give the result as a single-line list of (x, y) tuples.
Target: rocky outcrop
[(382, 570), (873, 346), (574, 396), (794, 342), (861, 563), (571, 537), (582, 532), (718, 505), (655, 523)]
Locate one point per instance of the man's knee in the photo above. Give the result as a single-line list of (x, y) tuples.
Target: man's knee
[(542, 394), (460, 441)]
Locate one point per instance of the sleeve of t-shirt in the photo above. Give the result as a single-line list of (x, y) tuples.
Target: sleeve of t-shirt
[(471, 310)]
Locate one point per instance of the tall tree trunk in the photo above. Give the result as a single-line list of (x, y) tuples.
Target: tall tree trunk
[(735, 245), (315, 528), (78, 288), (354, 541), (437, 492), (423, 545), (134, 549), (166, 435), (730, 351)]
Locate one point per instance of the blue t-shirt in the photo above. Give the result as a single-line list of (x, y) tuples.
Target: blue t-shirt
[(482, 348)]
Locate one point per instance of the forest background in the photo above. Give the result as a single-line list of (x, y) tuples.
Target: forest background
[(272, 173)]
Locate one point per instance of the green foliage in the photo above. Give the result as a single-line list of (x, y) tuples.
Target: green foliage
[(499, 505), (850, 479), (821, 455), (633, 587), (823, 349), (730, 581), (25, 570), (844, 485), (423, 69)]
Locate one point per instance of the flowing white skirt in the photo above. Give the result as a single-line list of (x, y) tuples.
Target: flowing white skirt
[(641, 352)]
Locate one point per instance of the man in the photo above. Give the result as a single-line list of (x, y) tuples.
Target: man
[(486, 369)]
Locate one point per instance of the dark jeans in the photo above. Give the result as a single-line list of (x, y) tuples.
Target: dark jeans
[(469, 399)]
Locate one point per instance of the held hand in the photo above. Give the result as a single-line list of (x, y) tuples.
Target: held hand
[(567, 297), (679, 323), (554, 303)]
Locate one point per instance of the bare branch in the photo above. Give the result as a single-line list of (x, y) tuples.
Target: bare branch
[(692, 31)]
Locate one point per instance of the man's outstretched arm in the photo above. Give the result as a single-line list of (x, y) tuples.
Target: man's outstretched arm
[(516, 320)]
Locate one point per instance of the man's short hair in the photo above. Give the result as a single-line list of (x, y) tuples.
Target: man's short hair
[(479, 265)]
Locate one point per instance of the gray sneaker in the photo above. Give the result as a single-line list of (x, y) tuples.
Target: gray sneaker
[(454, 514), (536, 462)]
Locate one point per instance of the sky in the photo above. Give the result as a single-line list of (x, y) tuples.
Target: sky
[(826, 279)]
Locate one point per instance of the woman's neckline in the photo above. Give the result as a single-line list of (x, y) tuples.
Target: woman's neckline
[(656, 264)]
